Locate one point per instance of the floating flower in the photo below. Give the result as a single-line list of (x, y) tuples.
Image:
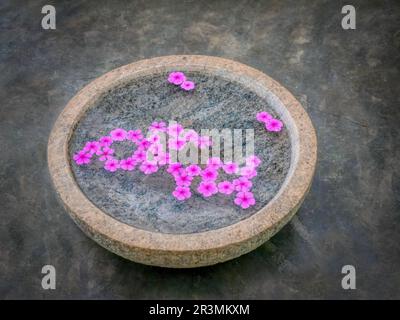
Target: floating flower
[(105, 153), (182, 193), (135, 135), (244, 199), (118, 134), (193, 170), (207, 188), (263, 116), (242, 184), (248, 172), (148, 167), (230, 167), (209, 174), (105, 141), (214, 163), (92, 147), (174, 129), (183, 179), (253, 161), (174, 168), (158, 126), (226, 187), (82, 157), (274, 125), (176, 143), (176, 78), (127, 164), (111, 165), (187, 85)]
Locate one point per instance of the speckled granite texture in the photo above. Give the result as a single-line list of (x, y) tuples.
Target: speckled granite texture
[(146, 201)]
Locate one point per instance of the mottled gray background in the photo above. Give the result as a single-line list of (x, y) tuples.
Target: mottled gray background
[(347, 80), (145, 201)]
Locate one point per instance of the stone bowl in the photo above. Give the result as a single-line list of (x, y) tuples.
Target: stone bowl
[(135, 216)]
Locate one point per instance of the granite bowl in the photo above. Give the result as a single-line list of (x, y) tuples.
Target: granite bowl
[(135, 216)]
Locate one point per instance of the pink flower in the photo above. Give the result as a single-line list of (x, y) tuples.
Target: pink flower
[(105, 141), (148, 167), (209, 174), (203, 142), (191, 135), (111, 165), (248, 172), (187, 85), (214, 163), (176, 143), (163, 158), (144, 144), (176, 78), (139, 155), (263, 116), (127, 164), (183, 179), (82, 158), (158, 126), (274, 125), (193, 170), (135, 135), (253, 161), (230, 167), (92, 147), (105, 153), (207, 188), (182, 193), (118, 134), (245, 199), (242, 184), (174, 168), (175, 129), (225, 187)]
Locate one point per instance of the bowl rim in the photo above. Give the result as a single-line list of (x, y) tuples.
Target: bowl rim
[(214, 245)]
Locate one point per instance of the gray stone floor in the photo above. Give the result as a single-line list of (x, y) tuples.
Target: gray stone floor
[(347, 80)]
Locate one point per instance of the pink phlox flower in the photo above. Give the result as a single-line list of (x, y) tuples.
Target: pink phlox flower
[(144, 144), (248, 172), (174, 168), (135, 135), (203, 142), (105, 153), (230, 167), (242, 184), (214, 163), (193, 170), (183, 179), (209, 174), (187, 85), (274, 125), (176, 78), (207, 188), (139, 155), (158, 126), (191, 135), (92, 147), (176, 143), (118, 134), (111, 165), (154, 138), (244, 199), (148, 167), (263, 116), (127, 164), (226, 187), (253, 161), (182, 193), (174, 129), (105, 141), (82, 157)]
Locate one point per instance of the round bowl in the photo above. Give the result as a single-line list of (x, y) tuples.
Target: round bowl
[(136, 217)]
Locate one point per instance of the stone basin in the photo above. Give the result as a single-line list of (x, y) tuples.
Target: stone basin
[(134, 215)]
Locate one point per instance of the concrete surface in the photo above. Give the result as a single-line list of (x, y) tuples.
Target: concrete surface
[(348, 80)]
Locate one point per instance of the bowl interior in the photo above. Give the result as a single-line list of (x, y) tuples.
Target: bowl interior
[(145, 201)]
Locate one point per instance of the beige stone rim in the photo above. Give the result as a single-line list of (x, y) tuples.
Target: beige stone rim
[(196, 249)]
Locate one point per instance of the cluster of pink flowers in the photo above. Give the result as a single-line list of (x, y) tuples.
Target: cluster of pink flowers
[(150, 155), (271, 124), (179, 79)]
